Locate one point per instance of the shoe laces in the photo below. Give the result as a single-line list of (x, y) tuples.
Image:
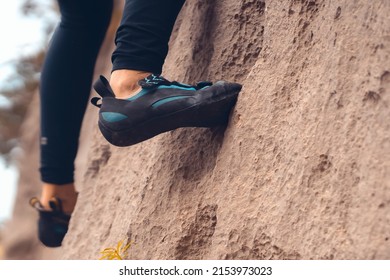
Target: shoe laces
[(103, 88), (154, 81)]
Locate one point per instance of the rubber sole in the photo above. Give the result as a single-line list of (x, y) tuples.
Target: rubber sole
[(208, 113)]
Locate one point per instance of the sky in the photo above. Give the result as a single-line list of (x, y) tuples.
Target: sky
[(20, 35), (8, 180)]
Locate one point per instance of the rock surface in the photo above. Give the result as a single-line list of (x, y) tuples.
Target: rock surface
[(302, 170)]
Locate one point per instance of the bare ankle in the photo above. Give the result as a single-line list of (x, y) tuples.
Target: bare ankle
[(124, 82), (66, 193)]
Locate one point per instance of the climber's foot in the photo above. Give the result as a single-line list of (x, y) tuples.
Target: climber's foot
[(162, 106), (52, 224), (54, 207)]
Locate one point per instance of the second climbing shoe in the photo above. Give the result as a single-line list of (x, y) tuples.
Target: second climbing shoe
[(52, 224)]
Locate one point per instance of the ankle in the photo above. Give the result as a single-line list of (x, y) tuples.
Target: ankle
[(66, 193), (124, 82)]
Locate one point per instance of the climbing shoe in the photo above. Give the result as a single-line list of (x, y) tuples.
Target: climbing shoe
[(162, 106), (52, 224)]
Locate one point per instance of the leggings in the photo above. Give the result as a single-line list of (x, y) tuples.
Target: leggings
[(141, 44)]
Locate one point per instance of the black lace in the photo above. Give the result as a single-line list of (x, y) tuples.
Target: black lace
[(153, 81), (150, 82)]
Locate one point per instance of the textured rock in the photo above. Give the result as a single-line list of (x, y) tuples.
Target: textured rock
[(302, 170)]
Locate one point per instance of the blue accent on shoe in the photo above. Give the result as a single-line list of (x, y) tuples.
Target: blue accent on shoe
[(113, 117), (166, 100), (185, 85), (176, 87), (146, 91), (60, 229), (138, 95)]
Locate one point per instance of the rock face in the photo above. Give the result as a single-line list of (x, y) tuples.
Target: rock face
[(302, 170)]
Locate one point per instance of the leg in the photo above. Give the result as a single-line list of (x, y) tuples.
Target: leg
[(146, 104), (142, 42), (65, 87)]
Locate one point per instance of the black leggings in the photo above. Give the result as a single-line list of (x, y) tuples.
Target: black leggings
[(141, 44)]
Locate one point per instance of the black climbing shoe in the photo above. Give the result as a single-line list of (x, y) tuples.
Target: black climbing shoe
[(52, 224), (162, 106)]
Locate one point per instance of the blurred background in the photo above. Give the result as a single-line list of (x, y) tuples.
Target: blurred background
[(26, 26)]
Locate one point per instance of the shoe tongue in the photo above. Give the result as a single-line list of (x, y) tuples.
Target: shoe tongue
[(153, 81)]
